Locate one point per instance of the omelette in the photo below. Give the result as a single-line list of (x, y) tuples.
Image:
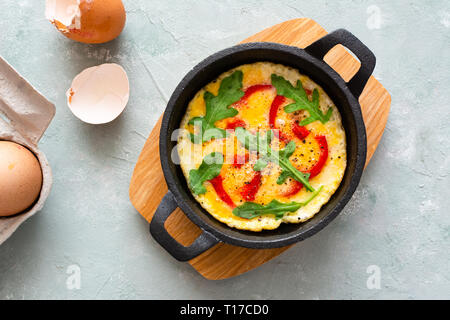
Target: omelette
[(262, 145)]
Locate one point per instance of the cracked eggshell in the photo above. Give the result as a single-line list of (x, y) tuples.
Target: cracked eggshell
[(87, 21), (65, 14), (99, 94), (24, 116)]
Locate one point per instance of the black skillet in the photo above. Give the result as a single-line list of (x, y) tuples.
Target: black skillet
[(308, 61)]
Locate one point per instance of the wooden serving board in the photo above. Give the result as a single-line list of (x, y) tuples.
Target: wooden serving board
[(148, 185)]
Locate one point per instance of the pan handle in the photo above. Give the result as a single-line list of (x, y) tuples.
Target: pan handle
[(341, 36), (160, 234)]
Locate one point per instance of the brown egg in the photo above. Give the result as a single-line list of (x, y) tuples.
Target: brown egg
[(88, 21), (20, 178)]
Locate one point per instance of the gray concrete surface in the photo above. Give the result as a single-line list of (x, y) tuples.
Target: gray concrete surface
[(395, 227)]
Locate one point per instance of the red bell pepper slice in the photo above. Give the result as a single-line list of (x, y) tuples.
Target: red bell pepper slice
[(236, 124), (217, 183), (251, 90), (300, 131), (296, 187), (316, 169), (249, 190), (323, 145), (276, 103), (256, 88)]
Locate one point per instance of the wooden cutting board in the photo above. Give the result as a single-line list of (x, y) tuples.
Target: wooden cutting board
[(148, 185)]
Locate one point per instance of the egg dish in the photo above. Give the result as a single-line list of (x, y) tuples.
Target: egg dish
[(262, 145)]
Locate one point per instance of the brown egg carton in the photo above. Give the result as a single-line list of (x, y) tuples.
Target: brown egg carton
[(25, 114)]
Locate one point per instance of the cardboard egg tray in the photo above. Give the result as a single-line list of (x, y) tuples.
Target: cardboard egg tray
[(24, 116)]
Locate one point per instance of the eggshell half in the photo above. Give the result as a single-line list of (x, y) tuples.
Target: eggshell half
[(99, 94)]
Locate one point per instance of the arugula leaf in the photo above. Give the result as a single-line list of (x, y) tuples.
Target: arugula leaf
[(218, 108), (266, 153), (209, 169), (260, 164), (289, 170), (298, 94), (250, 210)]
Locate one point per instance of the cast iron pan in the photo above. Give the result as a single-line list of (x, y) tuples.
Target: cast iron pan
[(309, 62)]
